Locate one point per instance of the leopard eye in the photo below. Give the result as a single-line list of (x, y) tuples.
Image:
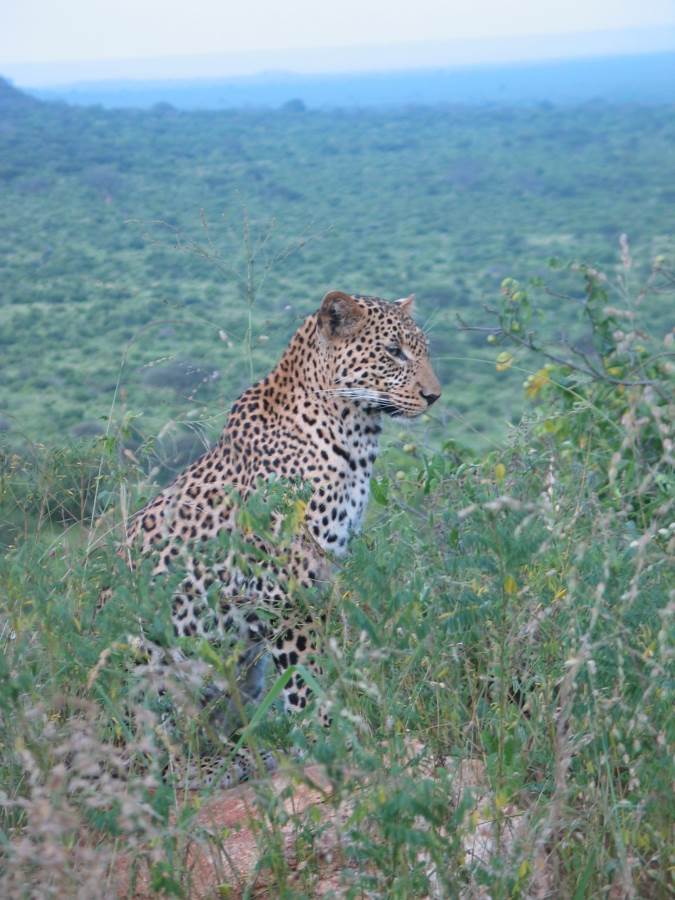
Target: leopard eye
[(397, 353)]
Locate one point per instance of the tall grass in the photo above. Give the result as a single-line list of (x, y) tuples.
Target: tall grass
[(498, 656)]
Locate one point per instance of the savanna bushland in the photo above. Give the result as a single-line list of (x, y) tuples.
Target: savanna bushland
[(507, 610)]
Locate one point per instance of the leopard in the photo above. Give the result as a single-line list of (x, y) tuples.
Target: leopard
[(315, 419)]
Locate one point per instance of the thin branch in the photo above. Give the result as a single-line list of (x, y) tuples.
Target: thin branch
[(589, 370)]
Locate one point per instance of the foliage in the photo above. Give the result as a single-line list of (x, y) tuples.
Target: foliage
[(509, 610), (132, 242)]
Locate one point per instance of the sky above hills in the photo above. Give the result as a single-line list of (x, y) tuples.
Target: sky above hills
[(42, 42)]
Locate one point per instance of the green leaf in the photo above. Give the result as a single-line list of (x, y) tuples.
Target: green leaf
[(380, 490)]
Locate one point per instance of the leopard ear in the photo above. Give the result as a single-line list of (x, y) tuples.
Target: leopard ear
[(406, 304), (340, 315)]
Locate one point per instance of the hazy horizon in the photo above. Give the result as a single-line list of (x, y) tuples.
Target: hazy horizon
[(134, 42)]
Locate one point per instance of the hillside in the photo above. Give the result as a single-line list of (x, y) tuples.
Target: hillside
[(125, 235)]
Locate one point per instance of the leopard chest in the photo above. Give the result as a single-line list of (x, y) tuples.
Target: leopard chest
[(340, 497)]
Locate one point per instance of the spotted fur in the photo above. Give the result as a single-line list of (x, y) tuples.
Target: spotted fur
[(316, 417)]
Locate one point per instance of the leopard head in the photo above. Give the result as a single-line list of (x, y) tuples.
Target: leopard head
[(376, 355)]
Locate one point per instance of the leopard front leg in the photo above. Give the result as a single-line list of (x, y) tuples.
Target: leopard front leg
[(297, 643), (226, 713), (297, 637)]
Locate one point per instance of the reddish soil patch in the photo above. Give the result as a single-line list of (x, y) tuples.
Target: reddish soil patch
[(226, 865), (223, 859)]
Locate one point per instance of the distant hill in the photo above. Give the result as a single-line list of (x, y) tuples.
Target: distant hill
[(648, 78), (12, 99)]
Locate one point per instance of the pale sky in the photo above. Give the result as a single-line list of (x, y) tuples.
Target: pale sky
[(75, 32), (71, 30)]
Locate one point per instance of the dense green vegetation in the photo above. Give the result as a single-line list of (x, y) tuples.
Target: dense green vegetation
[(125, 241), (509, 605), (506, 615)]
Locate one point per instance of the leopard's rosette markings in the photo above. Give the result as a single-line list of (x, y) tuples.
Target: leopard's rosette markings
[(316, 418)]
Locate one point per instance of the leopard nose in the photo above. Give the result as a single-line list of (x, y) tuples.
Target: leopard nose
[(430, 398)]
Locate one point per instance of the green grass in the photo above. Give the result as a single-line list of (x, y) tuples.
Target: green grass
[(509, 609)]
